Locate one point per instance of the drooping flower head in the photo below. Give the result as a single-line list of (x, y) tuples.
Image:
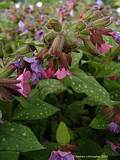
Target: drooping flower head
[(60, 155), (24, 87), (96, 38)]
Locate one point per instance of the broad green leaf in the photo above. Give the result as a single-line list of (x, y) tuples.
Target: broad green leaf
[(80, 82), (50, 86), (109, 69), (88, 147), (19, 138), (99, 122), (42, 154), (62, 134), (33, 108), (8, 155)]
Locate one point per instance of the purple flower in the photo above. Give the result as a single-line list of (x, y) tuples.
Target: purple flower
[(17, 64), (42, 18), (39, 35), (99, 3), (113, 127), (36, 68), (60, 155), (22, 27), (116, 37)]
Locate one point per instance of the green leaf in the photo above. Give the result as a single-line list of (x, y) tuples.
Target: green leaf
[(76, 57), (99, 122), (8, 155), (80, 82), (62, 135), (88, 147), (33, 109), (50, 86), (16, 137), (109, 69)]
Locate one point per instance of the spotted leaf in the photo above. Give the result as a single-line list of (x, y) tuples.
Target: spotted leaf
[(33, 109), (16, 137), (82, 83)]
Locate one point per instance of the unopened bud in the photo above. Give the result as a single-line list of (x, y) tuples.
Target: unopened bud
[(48, 39), (57, 45), (91, 14), (54, 24), (101, 22), (7, 71), (91, 48)]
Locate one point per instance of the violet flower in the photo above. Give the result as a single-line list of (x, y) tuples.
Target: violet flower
[(116, 37), (99, 3), (113, 127), (39, 35), (36, 69), (60, 155), (22, 27), (24, 83), (113, 146)]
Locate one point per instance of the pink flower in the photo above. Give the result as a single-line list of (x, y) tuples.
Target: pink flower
[(60, 74), (24, 83), (49, 72), (104, 47)]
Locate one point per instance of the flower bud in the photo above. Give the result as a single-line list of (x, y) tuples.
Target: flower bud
[(91, 48), (48, 39), (7, 71), (54, 24), (57, 45), (90, 14), (101, 22)]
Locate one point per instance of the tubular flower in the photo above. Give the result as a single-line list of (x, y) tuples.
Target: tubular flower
[(97, 39), (104, 47), (62, 73), (24, 87)]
